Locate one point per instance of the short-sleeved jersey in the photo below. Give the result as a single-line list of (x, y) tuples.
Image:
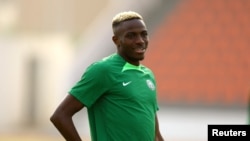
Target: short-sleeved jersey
[(120, 98)]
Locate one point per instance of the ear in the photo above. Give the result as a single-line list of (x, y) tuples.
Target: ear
[(116, 40)]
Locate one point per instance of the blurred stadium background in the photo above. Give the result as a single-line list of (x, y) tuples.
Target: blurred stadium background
[(199, 51)]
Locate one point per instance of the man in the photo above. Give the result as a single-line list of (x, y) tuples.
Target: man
[(119, 92)]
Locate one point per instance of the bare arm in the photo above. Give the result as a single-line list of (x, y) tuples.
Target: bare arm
[(62, 118), (158, 136)]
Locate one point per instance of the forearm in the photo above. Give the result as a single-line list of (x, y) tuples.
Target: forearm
[(158, 136), (66, 127)]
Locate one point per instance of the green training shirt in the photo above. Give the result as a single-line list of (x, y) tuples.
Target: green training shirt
[(120, 98)]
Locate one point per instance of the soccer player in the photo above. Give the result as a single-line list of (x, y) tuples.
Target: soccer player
[(118, 92)]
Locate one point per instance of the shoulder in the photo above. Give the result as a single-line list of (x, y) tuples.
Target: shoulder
[(146, 69), (96, 67), (102, 65)]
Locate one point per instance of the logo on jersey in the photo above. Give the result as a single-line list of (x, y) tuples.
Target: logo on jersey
[(126, 83), (150, 84)]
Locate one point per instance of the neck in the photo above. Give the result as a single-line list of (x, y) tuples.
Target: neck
[(131, 61)]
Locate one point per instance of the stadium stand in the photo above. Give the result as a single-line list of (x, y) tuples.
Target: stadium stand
[(200, 53)]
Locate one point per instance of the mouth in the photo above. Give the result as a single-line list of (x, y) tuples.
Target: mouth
[(140, 49)]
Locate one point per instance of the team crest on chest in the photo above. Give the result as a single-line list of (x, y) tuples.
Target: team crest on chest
[(150, 84)]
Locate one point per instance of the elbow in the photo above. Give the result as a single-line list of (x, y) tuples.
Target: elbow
[(55, 118), (59, 117)]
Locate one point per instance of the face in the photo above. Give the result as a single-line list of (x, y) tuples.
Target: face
[(131, 40)]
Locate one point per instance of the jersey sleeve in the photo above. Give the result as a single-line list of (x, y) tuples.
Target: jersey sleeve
[(91, 86), (156, 101)]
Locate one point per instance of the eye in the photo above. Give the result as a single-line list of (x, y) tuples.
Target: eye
[(130, 35), (144, 34)]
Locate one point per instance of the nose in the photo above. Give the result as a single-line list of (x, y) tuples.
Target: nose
[(140, 40)]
